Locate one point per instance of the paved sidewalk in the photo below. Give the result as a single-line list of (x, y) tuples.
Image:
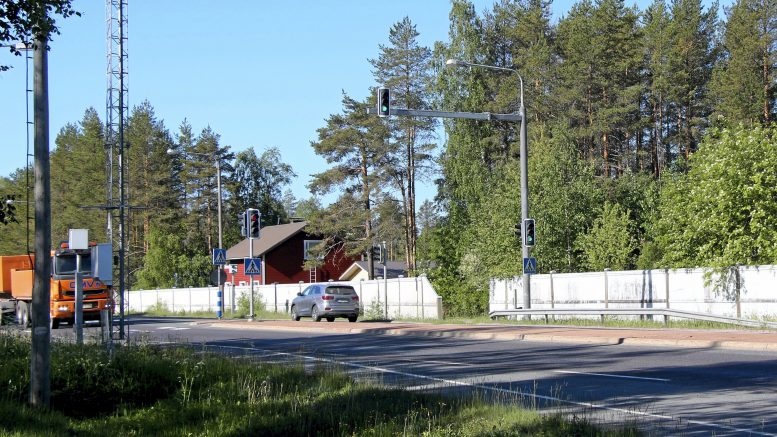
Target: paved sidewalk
[(691, 338)]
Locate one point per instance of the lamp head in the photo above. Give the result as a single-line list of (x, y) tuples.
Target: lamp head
[(455, 63)]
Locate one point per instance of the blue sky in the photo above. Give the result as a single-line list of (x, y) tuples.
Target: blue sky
[(260, 73)]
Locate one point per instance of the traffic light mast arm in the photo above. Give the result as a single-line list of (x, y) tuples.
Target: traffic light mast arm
[(484, 116)]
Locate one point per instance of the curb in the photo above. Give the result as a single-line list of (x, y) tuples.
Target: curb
[(506, 336)]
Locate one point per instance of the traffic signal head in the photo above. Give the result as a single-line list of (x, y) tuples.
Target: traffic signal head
[(384, 102), (253, 222), (528, 236)]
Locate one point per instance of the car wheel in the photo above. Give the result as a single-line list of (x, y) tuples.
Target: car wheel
[(330, 319), (294, 314), (314, 314), (352, 319)]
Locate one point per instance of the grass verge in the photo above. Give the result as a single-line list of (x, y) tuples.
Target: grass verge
[(146, 390)]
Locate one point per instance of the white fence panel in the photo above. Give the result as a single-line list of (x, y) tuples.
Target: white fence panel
[(397, 298), (681, 289)]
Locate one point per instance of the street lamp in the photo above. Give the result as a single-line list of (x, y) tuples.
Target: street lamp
[(218, 184), (524, 167)]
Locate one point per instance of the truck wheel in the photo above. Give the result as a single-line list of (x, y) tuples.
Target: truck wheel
[(23, 315), (54, 323)]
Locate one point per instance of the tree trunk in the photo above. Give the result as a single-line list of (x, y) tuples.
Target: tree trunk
[(368, 219)]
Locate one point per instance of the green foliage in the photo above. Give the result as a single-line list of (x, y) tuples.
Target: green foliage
[(243, 305), (724, 211), (259, 183), (609, 242), (27, 21), (564, 199), (170, 263)]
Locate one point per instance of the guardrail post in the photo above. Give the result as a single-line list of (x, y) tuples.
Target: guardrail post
[(552, 291), (738, 290), (439, 307), (422, 299), (606, 292), (666, 276)]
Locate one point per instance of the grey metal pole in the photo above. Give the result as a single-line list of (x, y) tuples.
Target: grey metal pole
[(526, 280), (385, 285), (78, 324), (251, 279), (220, 267), (40, 358)]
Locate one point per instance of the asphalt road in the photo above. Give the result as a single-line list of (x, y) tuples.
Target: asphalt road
[(669, 391)]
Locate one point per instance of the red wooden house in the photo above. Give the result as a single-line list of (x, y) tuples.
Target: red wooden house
[(283, 250)]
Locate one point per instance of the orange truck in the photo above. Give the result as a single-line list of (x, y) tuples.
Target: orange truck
[(16, 282)]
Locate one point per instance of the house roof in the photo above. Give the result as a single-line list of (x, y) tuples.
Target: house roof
[(270, 237), (393, 269)]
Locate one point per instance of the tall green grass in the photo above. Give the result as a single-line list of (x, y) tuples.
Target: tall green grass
[(145, 390)]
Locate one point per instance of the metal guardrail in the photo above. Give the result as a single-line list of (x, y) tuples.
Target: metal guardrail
[(665, 312)]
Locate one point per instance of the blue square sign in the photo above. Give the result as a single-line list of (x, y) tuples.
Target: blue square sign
[(530, 266), (252, 266), (219, 257)]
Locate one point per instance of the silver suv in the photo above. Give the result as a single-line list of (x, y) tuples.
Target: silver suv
[(326, 301)]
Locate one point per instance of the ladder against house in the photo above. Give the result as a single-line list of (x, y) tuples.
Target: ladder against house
[(313, 275)]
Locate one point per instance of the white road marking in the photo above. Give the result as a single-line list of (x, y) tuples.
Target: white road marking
[(172, 328), (612, 376), (514, 392)]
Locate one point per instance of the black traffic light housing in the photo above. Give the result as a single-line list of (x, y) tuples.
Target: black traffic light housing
[(384, 102), (528, 236), (379, 254), (253, 222)]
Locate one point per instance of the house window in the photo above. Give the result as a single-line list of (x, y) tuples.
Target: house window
[(309, 244)]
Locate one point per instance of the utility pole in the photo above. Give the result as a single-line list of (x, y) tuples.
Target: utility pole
[(40, 364)]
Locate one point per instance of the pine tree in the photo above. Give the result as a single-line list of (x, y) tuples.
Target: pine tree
[(78, 178), (404, 67), (355, 145), (691, 59), (745, 83), (656, 45)]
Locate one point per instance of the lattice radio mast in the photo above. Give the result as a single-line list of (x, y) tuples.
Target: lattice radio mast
[(116, 116)]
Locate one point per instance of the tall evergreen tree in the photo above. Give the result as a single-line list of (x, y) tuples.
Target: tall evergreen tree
[(356, 146), (600, 73), (656, 45), (78, 178), (691, 59), (404, 66), (259, 183), (745, 83)]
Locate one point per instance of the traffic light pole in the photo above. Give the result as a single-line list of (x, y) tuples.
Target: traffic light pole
[(251, 279)]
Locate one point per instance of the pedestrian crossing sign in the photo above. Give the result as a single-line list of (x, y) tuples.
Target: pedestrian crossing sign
[(253, 266), (219, 257), (530, 266)]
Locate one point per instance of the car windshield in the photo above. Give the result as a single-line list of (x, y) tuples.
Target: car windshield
[(340, 290), (66, 264)]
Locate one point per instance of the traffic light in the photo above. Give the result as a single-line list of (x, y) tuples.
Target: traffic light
[(253, 222), (384, 102), (242, 220), (528, 236), (379, 254)]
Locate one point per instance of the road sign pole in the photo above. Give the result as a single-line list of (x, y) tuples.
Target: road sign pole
[(251, 279)]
